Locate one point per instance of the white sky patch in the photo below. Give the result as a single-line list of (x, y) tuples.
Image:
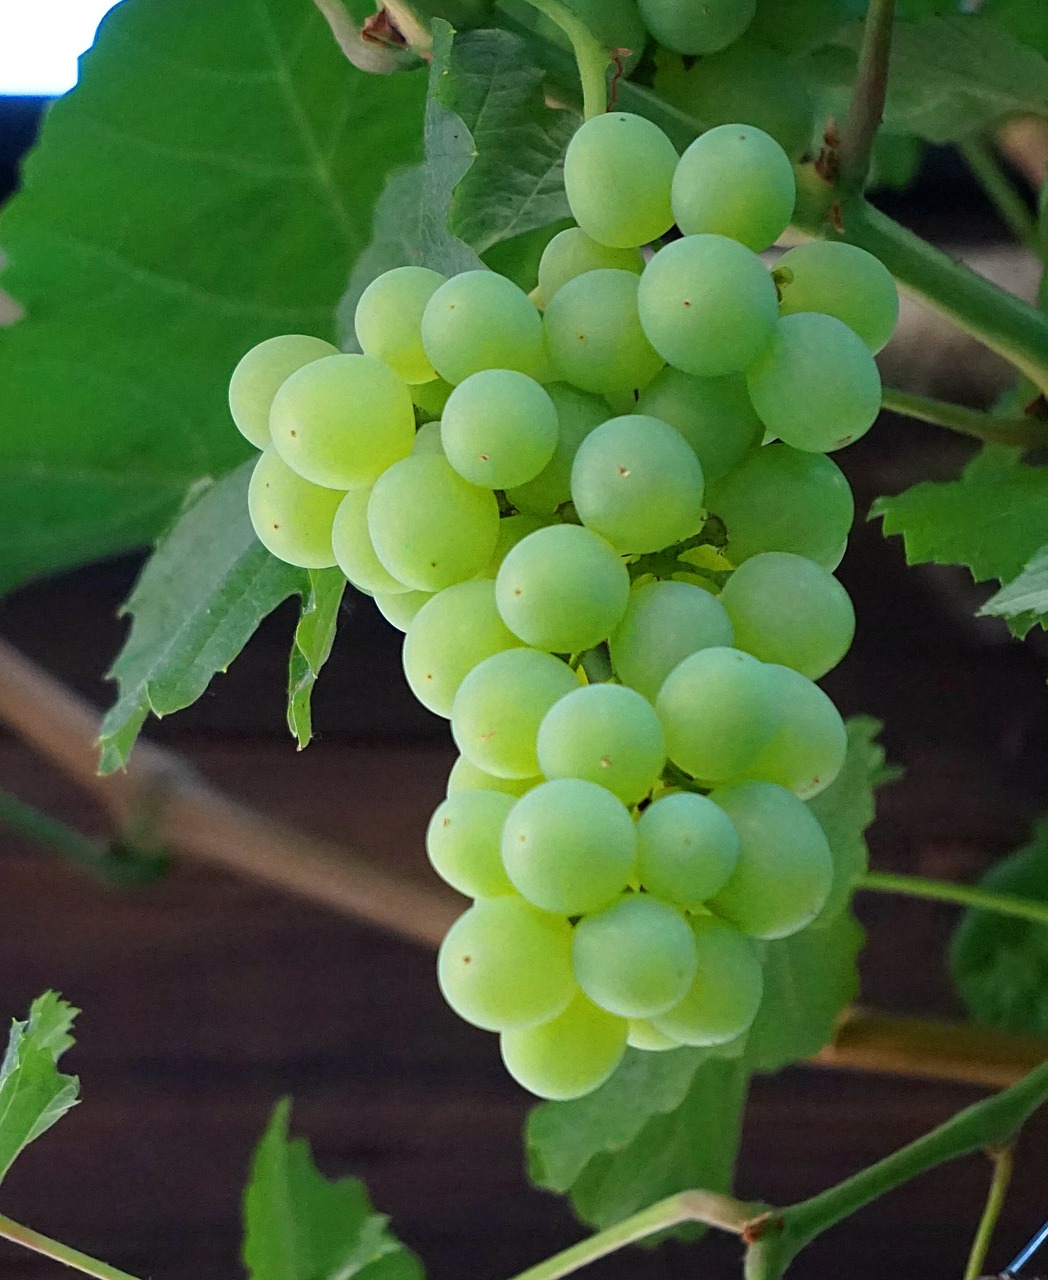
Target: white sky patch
[(40, 41)]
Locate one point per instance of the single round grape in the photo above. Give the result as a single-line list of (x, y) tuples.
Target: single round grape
[(618, 171), (457, 629), (664, 623), (643, 1034), (342, 420), (351, 543), (569, 846), (714, 415), (399, 609), (512, 529), (688, 27), (577, 415), (571, 253), (292, 518), (636, 958), (807, 750), (465, 776), (606, 734), (707, 305), (569, 1056), (717, 713), (790, 611), (431, 397), (594, 335), (499, 706), (504, 964), (260, 375), (388, 320), (815, 385), (563, 589), (499, 428), (428, 439), (783, 499), (431, 528), (785, 869), (841, 280), (638, 483), (481, 320), (686, 848), (726, 992), (464, 842), (735, 180)]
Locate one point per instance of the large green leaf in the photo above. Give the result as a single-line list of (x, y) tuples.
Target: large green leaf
[(209, 183), (1024, 601)]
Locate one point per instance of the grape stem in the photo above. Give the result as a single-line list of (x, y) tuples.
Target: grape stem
[(981, 159), (1002, 1176), (29, 1239), (592, 58), (962, 895), (867, 102), (1028, 432)]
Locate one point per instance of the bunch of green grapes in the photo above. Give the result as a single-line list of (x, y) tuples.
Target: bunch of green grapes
[(629, 464)]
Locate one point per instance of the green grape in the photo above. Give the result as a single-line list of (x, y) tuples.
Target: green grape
[(569, 1056), (594, 334), (454, 631), (637, 482), (577, 414), (512, 529), (689, 27), (735, 180), (464, 842), (644, 1034), (714, 415), (618, 171), (499, 428), (707, 305), (399, 609), (292, 518), (505, 965), (569, 846), (341, 421), (636, 958), (785, 869), (480, 320), (499, 706), (790, 611), (815, 385), (431, 397), (563, 589), (664, 623), (571, 253), (717, 713), (428, 439), (807, 751), (351, 543), (841, 280), (465, 776), (431, 528), (726, 993), (260, 375), (686, 848), (607, 734), (388, 320), (783, 499)]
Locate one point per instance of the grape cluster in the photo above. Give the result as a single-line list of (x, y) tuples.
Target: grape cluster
[(610, 542)]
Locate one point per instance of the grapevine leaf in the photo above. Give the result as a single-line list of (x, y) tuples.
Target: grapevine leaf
[(299, 1225), (208, 183), (1000, 964), (33, 1092), (314, 636), (197, 602), (663, 1122), (1024, 601)]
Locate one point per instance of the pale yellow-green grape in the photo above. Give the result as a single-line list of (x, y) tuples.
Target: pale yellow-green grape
[(480, 320), (399, 609), (464, 842), (725, 993), (714, 415), (807, 750), (351, 543), (388, 320), (499, 706), (292, 518), (431, 528), (577, 415), (465, 776), (427, 439), (453, 632), (499, 428), (572, 252), (341, 421), (643, 1034), (512, 529), (569, 1056), (505, 964), (840, 280), (686, 848), (431, 397), (259, 375), (785, 869), (697, 26), (618, 171)]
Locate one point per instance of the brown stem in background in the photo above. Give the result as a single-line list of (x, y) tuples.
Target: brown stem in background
[(867, 103)]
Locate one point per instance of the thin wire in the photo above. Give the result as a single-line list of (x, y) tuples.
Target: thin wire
[(1026, 1254)]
